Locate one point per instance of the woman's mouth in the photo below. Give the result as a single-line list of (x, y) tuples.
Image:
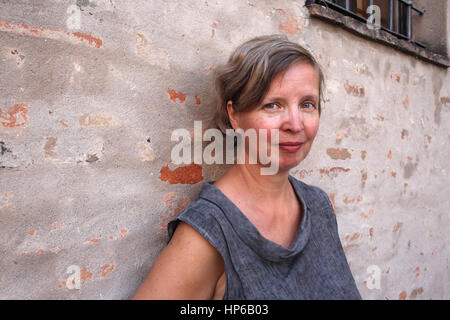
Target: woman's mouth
[(290, 146)]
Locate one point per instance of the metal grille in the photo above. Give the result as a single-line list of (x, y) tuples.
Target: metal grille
[(396, 15)]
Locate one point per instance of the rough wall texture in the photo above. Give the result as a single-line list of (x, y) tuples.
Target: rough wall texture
[(87, 113)]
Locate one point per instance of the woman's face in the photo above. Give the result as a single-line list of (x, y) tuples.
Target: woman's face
[(291, 105)]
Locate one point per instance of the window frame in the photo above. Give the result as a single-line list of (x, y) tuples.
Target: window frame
[(406, 21)]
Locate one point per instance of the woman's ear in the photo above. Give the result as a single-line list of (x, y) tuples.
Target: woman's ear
[(233, 115)]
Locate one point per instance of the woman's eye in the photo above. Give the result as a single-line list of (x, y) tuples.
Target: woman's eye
[(308, 105), (271, 106)]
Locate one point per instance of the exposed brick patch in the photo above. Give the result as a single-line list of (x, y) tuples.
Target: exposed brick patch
[(332, 172), (338, 153), (445, 100), (190, 174), (87, 120), (106, 269), (176, 95), (363, 154), (348, 200), (97, 42), (415, 293), (303, 173), (16, 116), (405, 102), (354, 90), (363, 178), (404, 133), (402, 295), (175, 206), (397, 227), (49, 147)]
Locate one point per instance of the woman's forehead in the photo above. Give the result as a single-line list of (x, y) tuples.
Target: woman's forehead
[(302, 76)]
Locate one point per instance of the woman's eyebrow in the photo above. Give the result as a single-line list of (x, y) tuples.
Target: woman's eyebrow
[(310, 97), (305, 97)]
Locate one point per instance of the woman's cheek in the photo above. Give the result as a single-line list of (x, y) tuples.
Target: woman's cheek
[(312, 127)]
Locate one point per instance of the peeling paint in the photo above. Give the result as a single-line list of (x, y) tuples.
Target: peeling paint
[(354, 89), (147, 153), (57, 226), (5, 200), (213, 29), (152, 54), (49, 147), (88, 120), (41, 32), (106, 269), (368, 214), (209, 68), (290, 25)]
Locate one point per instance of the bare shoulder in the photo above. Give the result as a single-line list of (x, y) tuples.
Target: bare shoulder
[(188, 268)]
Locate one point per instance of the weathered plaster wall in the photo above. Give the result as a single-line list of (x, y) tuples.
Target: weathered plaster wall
[(86, 118), (426, 30)]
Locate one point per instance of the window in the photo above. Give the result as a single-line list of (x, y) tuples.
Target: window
[(396, 15)]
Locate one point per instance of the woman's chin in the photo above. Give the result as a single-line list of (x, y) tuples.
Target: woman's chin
[(288, 164)]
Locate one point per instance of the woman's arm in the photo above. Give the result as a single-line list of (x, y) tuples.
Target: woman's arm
[(188, 268)]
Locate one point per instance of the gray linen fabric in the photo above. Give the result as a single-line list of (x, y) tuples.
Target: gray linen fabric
[(314, 267)]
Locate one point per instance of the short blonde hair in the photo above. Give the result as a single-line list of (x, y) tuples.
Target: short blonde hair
[(246, 77)]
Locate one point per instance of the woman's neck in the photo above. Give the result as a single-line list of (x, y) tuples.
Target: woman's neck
[(270, 189)]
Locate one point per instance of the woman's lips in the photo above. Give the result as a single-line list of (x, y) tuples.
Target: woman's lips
[(290, 146)]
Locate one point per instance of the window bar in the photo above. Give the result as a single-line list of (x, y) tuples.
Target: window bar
[(347, 4), (400, 28), (414, 7), (391, 15), (409, 20)]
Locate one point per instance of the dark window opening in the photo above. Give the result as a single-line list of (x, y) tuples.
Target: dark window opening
[(395, 15)]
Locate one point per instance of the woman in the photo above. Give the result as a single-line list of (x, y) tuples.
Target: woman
[(254, 236)]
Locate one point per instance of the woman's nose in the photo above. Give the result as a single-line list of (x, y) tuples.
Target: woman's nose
[(293, 120)]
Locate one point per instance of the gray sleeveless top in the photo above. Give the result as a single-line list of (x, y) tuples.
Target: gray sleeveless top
[(314, 267)]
